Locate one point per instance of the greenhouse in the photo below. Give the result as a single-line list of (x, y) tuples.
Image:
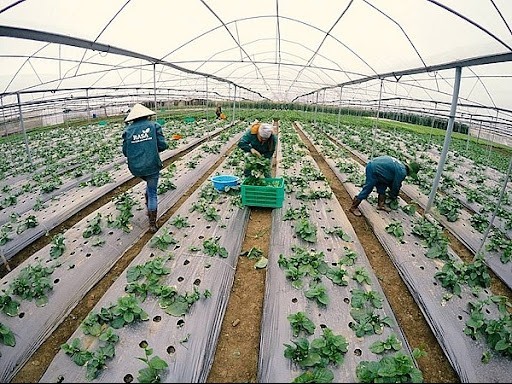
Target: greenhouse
[(256, 268)]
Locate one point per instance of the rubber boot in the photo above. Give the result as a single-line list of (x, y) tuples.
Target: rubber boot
[(354, 207), (381, 204), (153, 227)]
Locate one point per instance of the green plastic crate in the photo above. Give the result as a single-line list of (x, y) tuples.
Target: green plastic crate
[(263, 196)]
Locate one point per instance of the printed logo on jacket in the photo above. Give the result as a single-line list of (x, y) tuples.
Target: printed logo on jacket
[(143, 136)]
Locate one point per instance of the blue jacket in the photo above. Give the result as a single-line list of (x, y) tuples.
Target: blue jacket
[(143, 140), (383, 172), (250, 140)]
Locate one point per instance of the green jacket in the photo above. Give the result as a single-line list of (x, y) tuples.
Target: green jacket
[(143, 140), (250, 140)]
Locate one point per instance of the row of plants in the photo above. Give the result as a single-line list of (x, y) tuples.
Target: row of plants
[(460, 184), (489, 322), (149, 275), (317, 278), (45, 207), (94, 234)]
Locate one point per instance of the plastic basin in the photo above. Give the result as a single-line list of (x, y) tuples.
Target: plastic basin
[(220, 182)]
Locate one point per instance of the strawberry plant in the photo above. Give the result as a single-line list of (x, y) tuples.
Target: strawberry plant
[(395, 228), (212, 247), (361, 275), (316, 357), (57, 248), (318, 291), (33, 283), (4, 235), (398, 368), (8, 305), (155, 366), (392, 343), (497, 330), (409, 209), (7, 336), (349, 257), (180, 222), (301, 323), (306, 230), (30, 222), (338, 231), (296, 213), (124, 204), (479, 222), (449, 207), (94, 227), (163, 240)]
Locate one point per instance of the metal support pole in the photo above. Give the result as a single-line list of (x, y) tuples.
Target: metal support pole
[(154, 88), (234, 103), (316, 106), (206, 106), (479, 130), (22, 126), (433, 122), (447, 139), (3, 115), (469, 127), (376, 120), (491, 140), (88, 105), (339, 109)]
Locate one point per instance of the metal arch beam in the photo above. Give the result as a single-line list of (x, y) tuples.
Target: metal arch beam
[(470, 62), (30, 34)]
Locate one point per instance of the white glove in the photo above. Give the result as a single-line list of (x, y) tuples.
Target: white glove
[(255, 152)]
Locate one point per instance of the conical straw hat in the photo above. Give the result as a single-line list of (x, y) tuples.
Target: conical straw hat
[(138, 110)]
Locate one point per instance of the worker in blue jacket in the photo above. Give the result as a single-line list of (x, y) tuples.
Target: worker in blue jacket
[(143, 140), (259, 140), (382, 173)]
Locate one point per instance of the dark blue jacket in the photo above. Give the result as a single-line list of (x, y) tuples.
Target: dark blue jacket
[(383, 172), (143, 139)]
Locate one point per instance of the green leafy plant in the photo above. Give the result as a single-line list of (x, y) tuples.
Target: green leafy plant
[(306, 230), (33, 283), (318, 292), (30, 222), (496, 330), (155, 366), (7, 336), (212, 247), (338, 231), (391, 343), (398, 368), (163, 240), (93, 227), (58, 247), (180, 222), (395, 228), (300, 322)]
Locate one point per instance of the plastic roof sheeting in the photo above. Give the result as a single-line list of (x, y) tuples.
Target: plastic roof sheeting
[(282, 50)]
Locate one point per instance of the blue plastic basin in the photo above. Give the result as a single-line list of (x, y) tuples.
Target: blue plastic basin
[(220, 182)]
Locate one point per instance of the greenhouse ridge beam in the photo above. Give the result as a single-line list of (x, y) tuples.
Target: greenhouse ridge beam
[(30, 34)]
